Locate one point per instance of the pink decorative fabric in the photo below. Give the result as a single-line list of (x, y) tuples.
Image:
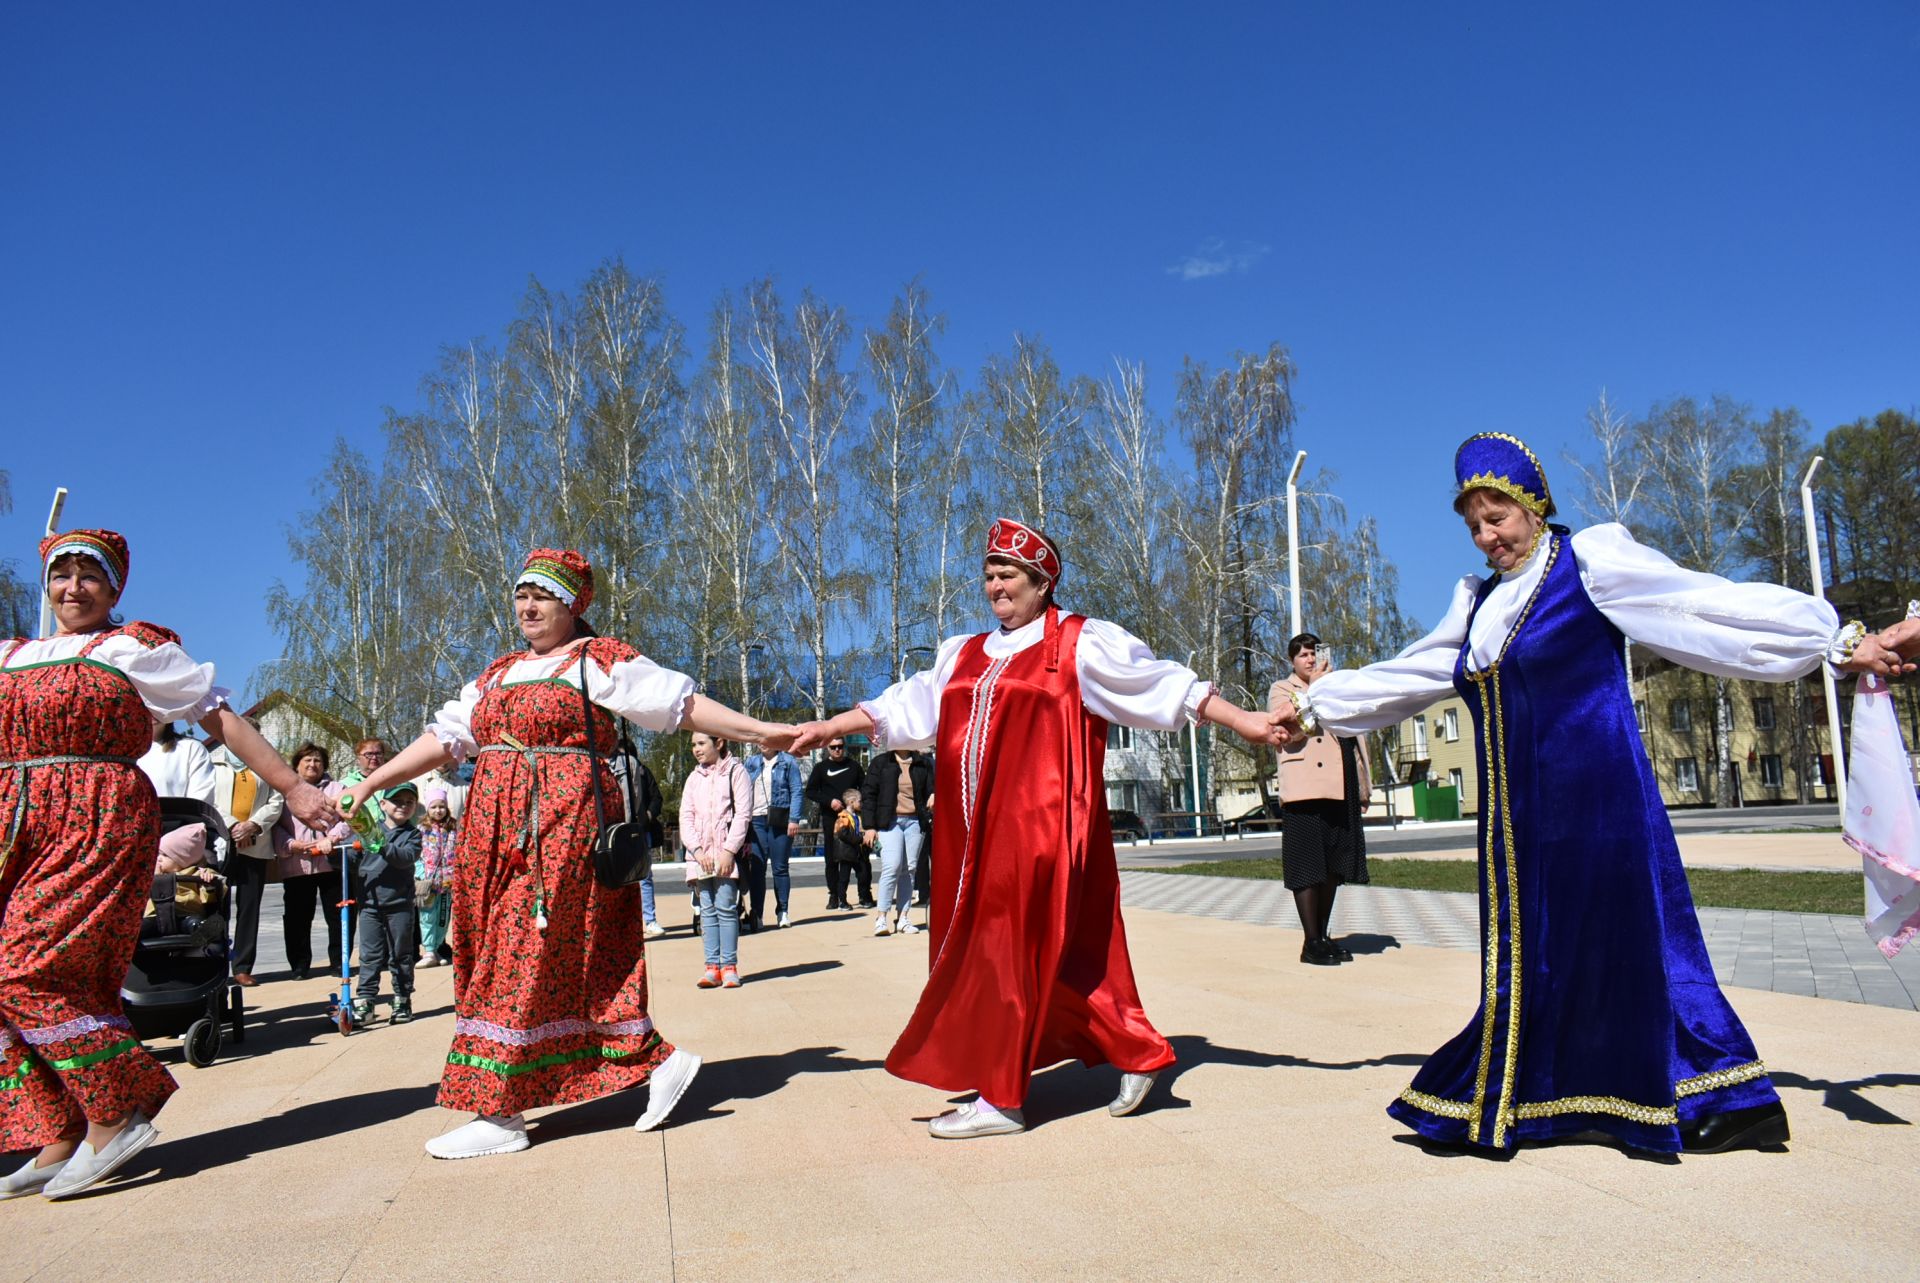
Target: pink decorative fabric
[(1883, 817)]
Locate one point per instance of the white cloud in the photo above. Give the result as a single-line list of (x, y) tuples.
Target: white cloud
[(1215, 257)]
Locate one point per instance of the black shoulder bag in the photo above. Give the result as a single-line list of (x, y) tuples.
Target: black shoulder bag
[(621, 855)]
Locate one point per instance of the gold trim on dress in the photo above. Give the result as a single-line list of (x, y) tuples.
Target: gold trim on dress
[(1632, 1111), (1503, 1116)]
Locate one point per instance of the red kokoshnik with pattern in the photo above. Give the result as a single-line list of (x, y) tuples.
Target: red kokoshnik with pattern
[(76, 867), (1029, 955), (555, 1015)]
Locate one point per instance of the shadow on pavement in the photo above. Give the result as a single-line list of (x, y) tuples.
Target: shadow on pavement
[(191, 1155), (1366, 942), (793, 969), (720, 1082), (1846, 1098)]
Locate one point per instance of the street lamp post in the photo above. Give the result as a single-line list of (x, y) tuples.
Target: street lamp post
[(53, 526), (1193, 760), (1293, 539), (1839, 785)]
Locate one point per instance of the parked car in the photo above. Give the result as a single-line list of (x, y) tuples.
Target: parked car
[(1265, 818), (1127, 826)]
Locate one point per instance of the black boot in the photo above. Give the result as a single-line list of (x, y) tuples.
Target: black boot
[(1319, 953), (1755, 1127)]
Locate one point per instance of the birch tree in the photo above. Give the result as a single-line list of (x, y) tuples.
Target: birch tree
[(896, 465), (1608, 482)]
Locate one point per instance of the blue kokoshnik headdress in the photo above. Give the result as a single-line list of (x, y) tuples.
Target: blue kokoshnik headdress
[(1496, 461)]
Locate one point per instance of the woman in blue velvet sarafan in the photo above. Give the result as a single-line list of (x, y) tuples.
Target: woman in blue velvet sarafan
[(1599, 1010)]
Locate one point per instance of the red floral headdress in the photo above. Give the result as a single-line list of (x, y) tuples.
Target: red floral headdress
[(108, 547), (562, 572)]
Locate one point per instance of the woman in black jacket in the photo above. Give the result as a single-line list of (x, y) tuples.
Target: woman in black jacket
[(897, 800)]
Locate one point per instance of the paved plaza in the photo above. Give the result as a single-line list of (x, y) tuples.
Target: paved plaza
[(795, 1156)]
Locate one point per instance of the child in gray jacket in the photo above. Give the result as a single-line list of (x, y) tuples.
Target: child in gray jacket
[(383, 887)]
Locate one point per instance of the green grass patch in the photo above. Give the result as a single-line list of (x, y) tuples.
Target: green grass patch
[(1792, 892)]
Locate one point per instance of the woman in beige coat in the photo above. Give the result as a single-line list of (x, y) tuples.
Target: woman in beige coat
[(1324, 787)]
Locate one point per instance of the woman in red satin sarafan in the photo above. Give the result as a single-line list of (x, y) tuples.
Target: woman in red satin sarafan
[(1029, 955)]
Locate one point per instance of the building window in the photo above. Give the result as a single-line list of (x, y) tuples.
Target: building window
[(1680, 716), (1816, 772), (1453, 725), (1763, 712), (1124, 796), (1686, 775), (1118, 736), (1770, 774), (1640, 715), (1459, 782)]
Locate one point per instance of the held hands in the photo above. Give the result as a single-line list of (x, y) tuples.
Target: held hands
[(1262, 728), (1903, 639), (808, 736), (780, 738), (1885, 653), (1285, 724), (311, 805)]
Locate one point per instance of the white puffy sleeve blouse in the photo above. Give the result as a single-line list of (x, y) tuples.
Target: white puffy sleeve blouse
[(649, 696), (1699, 620)]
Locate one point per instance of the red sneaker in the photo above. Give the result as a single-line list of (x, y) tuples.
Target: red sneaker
[(710, 980), (729, 977)]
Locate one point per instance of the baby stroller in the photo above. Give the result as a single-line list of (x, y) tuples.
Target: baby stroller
[(178, 984)]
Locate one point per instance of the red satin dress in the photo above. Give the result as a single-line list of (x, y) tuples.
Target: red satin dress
[(1029, 956)]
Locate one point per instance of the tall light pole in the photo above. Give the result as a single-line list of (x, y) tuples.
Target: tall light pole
[(1193, 760), (1293, 538), (1839, 784), (53, 526)]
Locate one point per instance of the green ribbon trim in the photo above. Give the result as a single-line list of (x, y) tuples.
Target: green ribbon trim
[(507, 1070), (95, 1057), (18, 1078), (72, 659)]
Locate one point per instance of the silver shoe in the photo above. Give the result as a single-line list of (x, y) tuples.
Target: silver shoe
[(29, 1179), (86, 1169), (966, 1122), (1133, 1090)]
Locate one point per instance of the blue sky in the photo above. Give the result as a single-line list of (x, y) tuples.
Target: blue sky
[(232, 232)]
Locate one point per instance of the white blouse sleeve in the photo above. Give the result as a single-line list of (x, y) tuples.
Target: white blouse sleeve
[(1121, 681), (649, 696), (907, 713), (171, 685), (1701, 620), (453, 724), (1380, 695)]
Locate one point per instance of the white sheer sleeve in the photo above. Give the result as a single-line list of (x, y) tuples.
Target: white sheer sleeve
[(1701, 620), (1121, 681), (907, 713), (1375, 697), (453, 724), (171, 685), (649, 696)]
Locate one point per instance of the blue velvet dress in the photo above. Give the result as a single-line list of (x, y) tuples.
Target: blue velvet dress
[(1599, 1009)]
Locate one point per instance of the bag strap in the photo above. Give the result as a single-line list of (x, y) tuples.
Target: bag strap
[(593, 754)]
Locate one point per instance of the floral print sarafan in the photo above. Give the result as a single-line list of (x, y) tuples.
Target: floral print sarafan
[(76, 867), (555, 1014)]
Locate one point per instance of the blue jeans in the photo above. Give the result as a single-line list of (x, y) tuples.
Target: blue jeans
[(777, 850), (720, 920), (899, 850), (646, 900)]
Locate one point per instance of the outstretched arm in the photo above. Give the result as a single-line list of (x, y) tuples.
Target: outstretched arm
[(237, 733), (711, 717), (416, 759)]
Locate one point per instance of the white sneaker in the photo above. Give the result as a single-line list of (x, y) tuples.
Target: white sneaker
[(487, 1134), (906, 927), (666, 1087), (785, 921), (967, 1122), (29, 1179), (1133, 1090), (654, 931), (431, 960), (881, 926), (86, 1169)]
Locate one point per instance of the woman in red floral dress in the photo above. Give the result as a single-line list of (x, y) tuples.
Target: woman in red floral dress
[(549, 968), (76, 863)]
